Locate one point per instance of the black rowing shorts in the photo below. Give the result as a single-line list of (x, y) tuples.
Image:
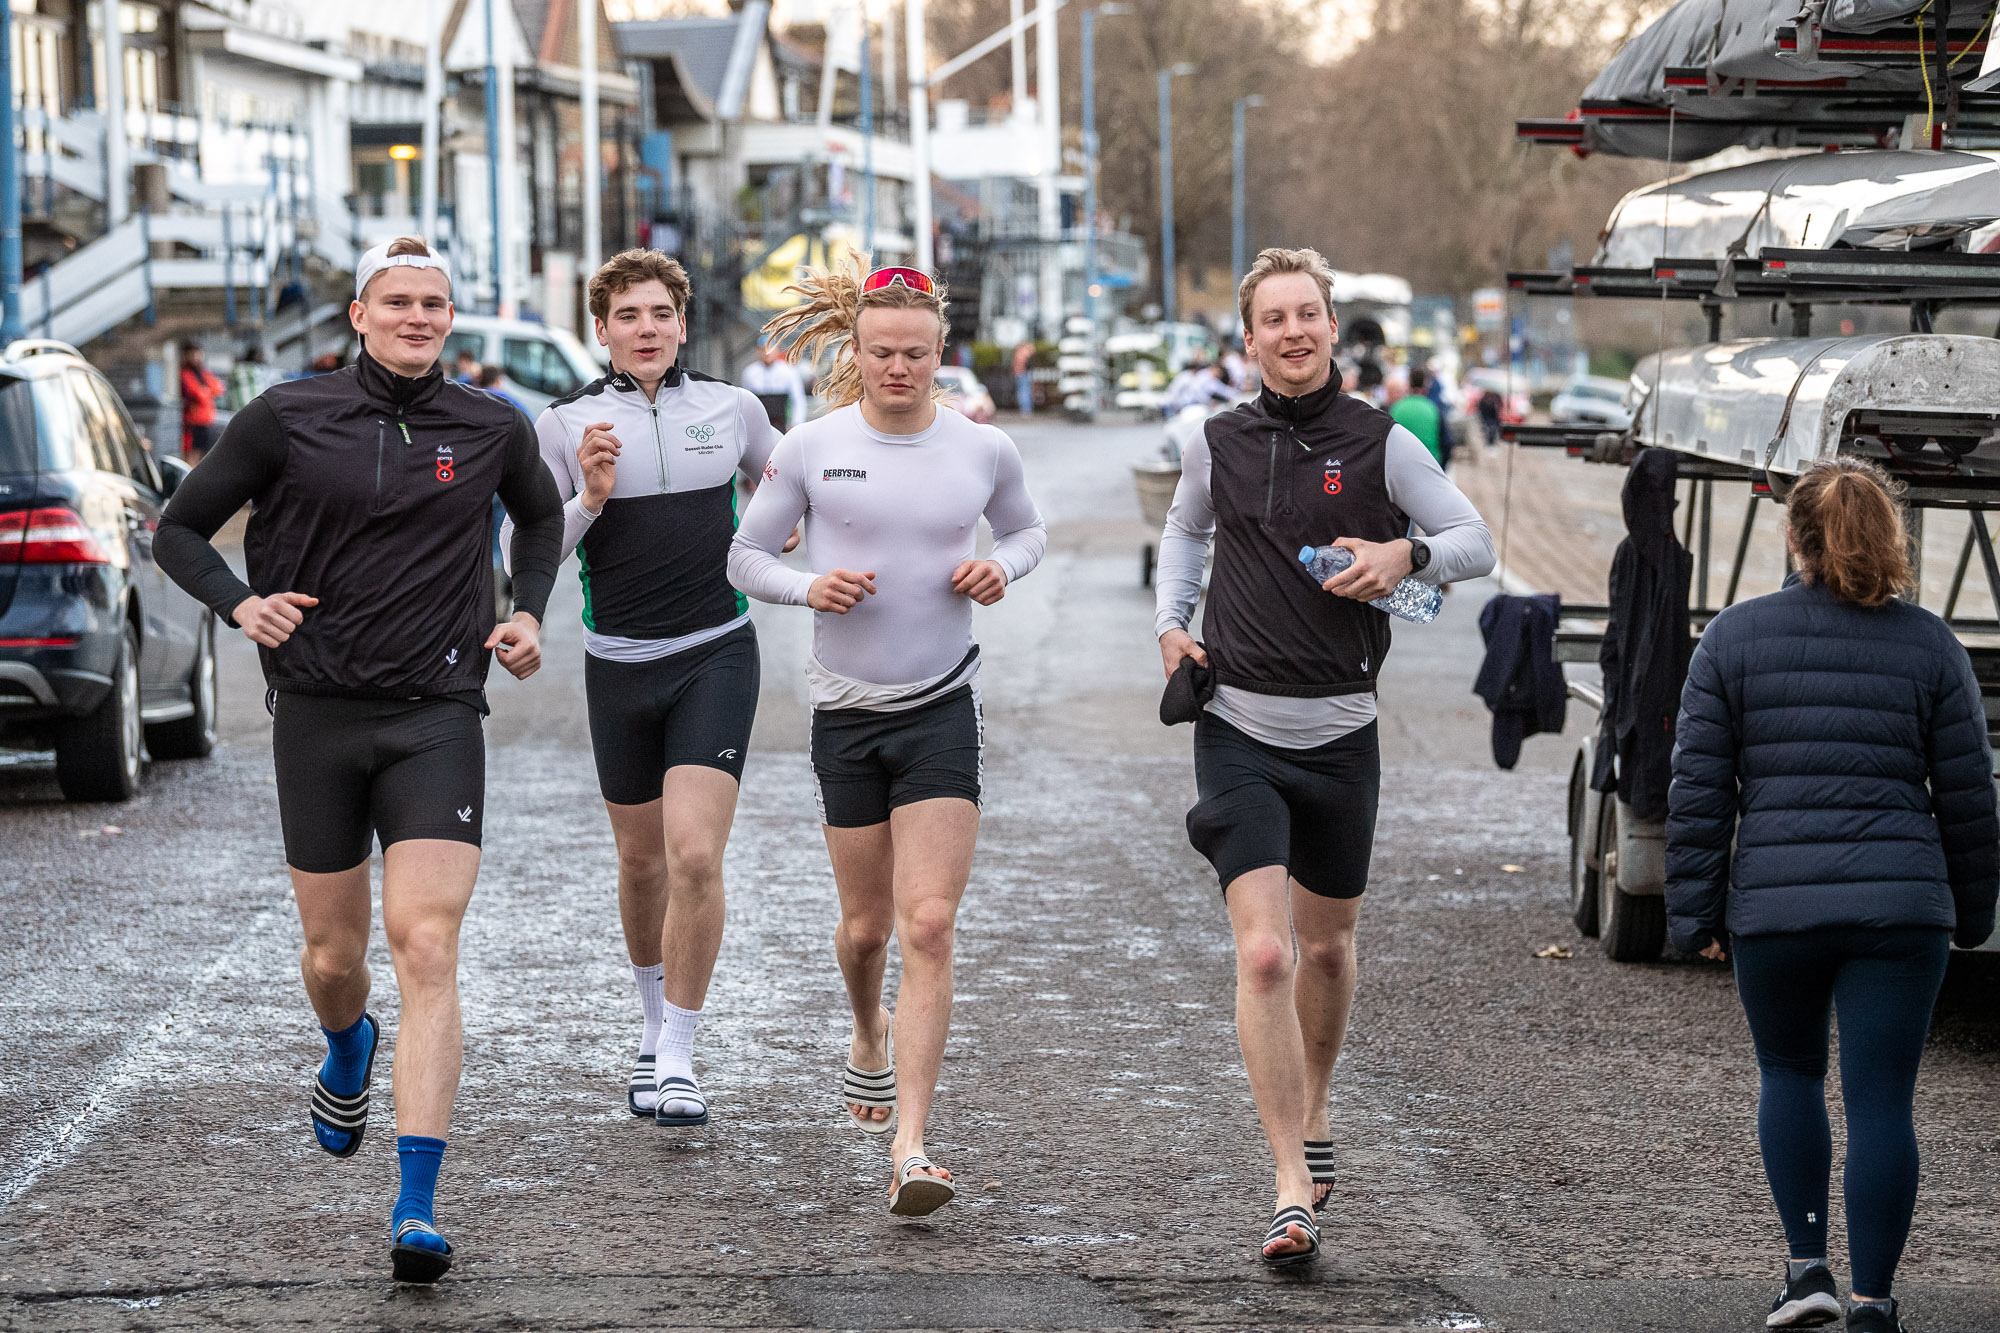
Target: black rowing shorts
[(867, 763), (1311, 811), (352, 770), (695, 707)]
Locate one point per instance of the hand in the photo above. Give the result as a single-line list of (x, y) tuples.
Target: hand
[(1714, 952), (519, 643), (792, 542), (839, 591), (1378, 567), (1176, 644), (270, 620), (981, 580), (598, 457)]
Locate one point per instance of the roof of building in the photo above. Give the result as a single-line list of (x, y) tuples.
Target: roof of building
[(711, 59)]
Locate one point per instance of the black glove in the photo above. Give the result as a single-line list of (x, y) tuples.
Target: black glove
[(1191, 686)]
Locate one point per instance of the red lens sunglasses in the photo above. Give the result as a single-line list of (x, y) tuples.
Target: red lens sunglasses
[(914, 278)]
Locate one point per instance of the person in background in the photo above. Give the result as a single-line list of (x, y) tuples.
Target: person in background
[(1236, 370), (1488, 408), (1438, 392), (1024, 381), (488, 378), (777, 384), (465, 366), (250, 376), (199, 390), (1197, 386), (1417, 413), (1831, 829)]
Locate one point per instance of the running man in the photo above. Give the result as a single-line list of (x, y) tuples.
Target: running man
[(891, 486), (670, 656), (1286, 764), (371, 603)]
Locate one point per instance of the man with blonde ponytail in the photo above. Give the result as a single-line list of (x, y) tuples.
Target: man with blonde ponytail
[(891, 485)]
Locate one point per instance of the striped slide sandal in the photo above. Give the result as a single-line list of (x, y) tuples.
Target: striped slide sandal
[(1281, 1225), (1319, 1160), (919, 1195), (342, 1113)]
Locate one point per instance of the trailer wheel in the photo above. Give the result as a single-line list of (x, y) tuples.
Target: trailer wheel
[(1582, 841), (1632, 927)]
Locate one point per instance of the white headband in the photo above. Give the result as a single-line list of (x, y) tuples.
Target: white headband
[(379, 258)]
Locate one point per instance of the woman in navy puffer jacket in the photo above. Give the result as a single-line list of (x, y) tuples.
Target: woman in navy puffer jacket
[(1831, 827)]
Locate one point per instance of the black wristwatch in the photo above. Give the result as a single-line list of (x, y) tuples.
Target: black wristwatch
[(1420, 556)]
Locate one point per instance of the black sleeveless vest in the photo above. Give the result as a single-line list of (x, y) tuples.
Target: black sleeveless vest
[(1287, 473)]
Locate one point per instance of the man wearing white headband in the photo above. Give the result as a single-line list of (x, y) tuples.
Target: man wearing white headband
[(370, 598)]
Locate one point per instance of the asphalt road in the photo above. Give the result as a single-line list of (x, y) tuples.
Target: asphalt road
[(1529, 1145)]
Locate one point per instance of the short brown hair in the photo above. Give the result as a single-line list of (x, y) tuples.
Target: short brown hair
[(1270, 263), (629, 268), (1847, 523), (408, 245)]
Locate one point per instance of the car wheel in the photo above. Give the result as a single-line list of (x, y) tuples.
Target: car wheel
[(98, 755), (1582, 841), (1632, 927), (192, 737)]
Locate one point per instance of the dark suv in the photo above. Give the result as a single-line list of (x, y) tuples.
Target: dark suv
[(102, 657)]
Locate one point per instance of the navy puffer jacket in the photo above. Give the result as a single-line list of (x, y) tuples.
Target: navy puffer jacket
[(1843, 748)]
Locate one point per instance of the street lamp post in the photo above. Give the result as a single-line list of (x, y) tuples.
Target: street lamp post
[(1239, 230), (1090, 280), (10, 191), (1167, 185)]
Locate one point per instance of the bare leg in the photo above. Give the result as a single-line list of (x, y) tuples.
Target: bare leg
[(1323, 994), (336, 911), (426, 885), (699, 806), (642, 877), (1267, 1025), (934, 841), (864, 874)]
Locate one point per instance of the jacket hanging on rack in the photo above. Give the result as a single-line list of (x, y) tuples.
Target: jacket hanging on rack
[(1520, 679)]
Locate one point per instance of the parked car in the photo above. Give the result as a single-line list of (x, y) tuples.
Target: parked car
[(964, 392), (1591, 400), (1482, 380), (539, 363), (102, 657)]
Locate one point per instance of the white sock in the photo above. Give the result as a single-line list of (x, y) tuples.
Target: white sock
[(652, 1003), (676, 1051)]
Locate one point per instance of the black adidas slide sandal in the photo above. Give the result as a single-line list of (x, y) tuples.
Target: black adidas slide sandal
[(641, 1081), (346, 1115), (1287, 1218), (674, 1088), (415, 1263), (1319, 1160)]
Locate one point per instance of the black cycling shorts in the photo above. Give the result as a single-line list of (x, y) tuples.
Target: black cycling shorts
[(1311, 811), (695, 707), (867, 763), (352, 770)]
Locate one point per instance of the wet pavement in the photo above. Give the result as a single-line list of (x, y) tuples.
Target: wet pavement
[(1528, 1145)]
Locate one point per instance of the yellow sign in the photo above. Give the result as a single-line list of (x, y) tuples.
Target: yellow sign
[(764, 286)]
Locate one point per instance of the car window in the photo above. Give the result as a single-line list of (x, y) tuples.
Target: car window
[(61, 435), (107, 447), (141, 469), (474, 343), (17, 427), (537, 365)]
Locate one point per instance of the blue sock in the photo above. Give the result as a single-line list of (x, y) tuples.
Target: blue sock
[(346, 1063), (420, 1159)]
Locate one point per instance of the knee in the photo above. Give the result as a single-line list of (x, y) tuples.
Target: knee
[(864, 935), (426, 951), (330, 962), (695, 867), (1264, 962), (641, 865), (926, 930), (1332, 957)]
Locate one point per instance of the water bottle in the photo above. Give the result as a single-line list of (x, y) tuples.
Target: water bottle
[(1412, 599)]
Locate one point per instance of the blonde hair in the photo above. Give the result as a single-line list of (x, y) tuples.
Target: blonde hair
[(627, 269), (1270, 263), (826, 317), (1847, 524)]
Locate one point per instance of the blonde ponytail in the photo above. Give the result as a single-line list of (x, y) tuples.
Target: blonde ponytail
[(824, 320)]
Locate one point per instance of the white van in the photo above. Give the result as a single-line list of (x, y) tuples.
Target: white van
[(538, 363)]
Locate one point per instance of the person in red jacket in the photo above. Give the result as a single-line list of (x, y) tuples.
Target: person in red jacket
[(199, 390)]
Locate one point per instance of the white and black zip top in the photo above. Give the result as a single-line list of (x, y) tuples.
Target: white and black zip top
[(654, 561), (374, 494)]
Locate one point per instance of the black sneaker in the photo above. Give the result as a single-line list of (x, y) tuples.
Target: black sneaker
[(1807, 1300), (1873, 1317)]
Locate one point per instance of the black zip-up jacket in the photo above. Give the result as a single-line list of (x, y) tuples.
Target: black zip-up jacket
[(1287, 473), (373, 493)]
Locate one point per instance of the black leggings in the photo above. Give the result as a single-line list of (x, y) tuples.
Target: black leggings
[(1882, 982)]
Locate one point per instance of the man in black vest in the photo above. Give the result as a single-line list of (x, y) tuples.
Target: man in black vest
[(370, 598), (1286, 760)]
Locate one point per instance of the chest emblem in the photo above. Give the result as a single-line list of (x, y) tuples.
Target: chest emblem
[(1333, 477), (844, 474), (702, 433), (444, 462)]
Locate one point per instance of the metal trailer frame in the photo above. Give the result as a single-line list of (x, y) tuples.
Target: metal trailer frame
[(1617, 862)]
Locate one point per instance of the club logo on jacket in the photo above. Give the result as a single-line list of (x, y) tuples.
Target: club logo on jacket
[(1333, 477), (844, 474), (444, 462), (704, 432)]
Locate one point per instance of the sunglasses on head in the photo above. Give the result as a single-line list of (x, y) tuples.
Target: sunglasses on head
[(914, 278)]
